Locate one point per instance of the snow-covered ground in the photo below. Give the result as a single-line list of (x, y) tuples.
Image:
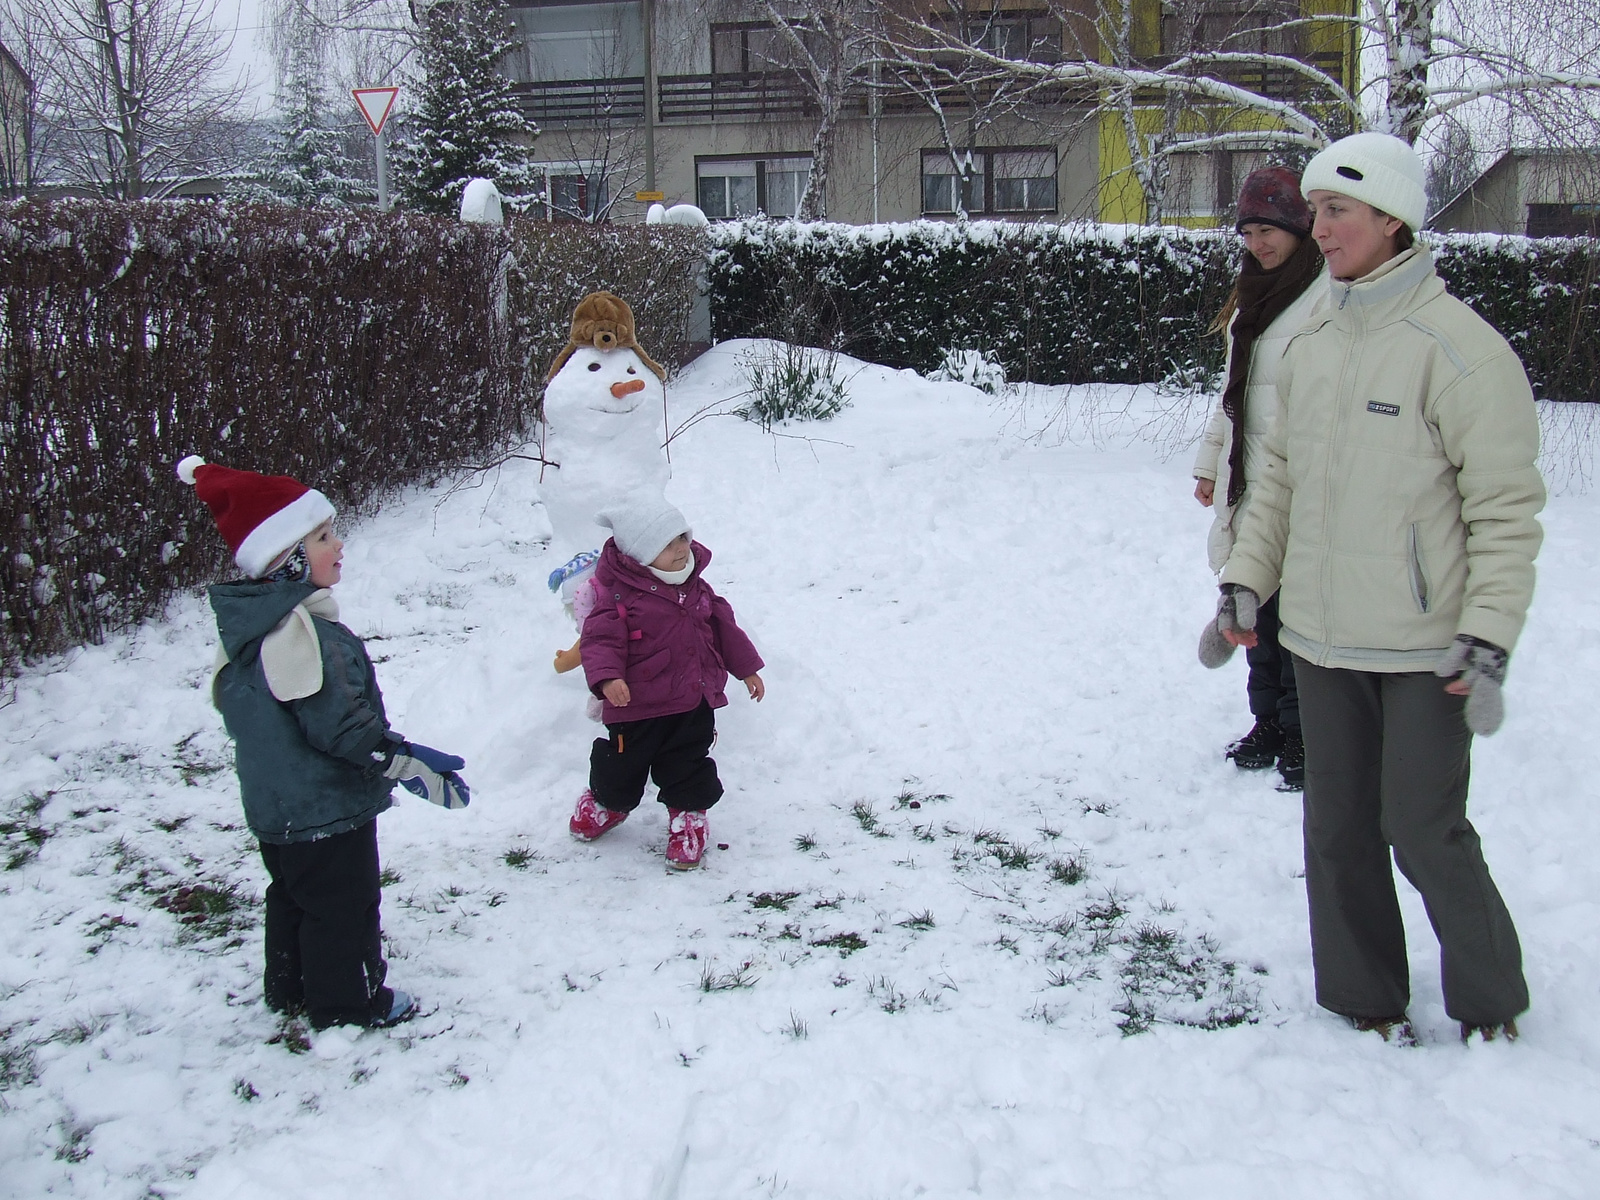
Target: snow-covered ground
[(993, 917)]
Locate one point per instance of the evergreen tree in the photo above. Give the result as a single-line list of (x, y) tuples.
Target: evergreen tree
[(307, 165), (466, 124)]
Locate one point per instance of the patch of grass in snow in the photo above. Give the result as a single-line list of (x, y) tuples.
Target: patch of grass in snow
[(890, 998), (910, 797), (208, 909), (867, 817), (805, 843), (74, 1147), (388, 877), (245, 1090), (779, 901), (921, 920), (18, 1064), (103, 930), (796, 1028), (1072, 869), (292, 1036), (834, 903), (845, 943), (1103, 808), (192, 766), (22, 834), (741, 977)]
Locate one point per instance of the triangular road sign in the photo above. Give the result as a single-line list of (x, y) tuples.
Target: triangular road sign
[(375, 103)]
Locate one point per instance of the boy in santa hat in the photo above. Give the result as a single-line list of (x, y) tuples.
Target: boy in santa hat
[(314, 752)]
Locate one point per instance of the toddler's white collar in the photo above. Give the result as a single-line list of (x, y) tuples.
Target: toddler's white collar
[(675, 577)]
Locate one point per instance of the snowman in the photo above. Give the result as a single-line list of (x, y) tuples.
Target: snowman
[(605, 425)]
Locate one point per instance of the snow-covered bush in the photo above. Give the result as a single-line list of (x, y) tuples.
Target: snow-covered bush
[(357, 351), (1081, 303), (791, 383), (972, 367)]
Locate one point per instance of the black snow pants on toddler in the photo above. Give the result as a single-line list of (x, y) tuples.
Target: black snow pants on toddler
[(324, 947), (674, 750)]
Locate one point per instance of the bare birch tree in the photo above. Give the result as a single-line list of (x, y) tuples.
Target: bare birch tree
[(1533, 64), (137, 91)]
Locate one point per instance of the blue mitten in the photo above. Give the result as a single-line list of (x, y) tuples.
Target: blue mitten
[(429, 773)]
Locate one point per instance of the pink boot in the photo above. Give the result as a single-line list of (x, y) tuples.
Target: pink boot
[(686, 838), (591, 819)]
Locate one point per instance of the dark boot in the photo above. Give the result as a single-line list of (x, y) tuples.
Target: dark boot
[(1258, 749), (1292, 762)]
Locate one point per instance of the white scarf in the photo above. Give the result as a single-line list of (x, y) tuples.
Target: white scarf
[(675, 577)]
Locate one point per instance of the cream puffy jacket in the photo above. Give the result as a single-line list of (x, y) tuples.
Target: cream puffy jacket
[(1398, 498), (1261, 409)]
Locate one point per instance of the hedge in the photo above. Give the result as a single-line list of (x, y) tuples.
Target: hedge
[(359, 352), (1094, 303)]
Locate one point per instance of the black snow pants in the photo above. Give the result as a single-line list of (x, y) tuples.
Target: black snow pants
[(1387, 761), (324, 948), (1273, 695), (673, 750)]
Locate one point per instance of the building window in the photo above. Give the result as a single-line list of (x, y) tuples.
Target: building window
[(573, 192), (733, 188), (1008, 180), (1024, 181), (747, 49), (1206, 183), (1020, 36), (1563, 220)]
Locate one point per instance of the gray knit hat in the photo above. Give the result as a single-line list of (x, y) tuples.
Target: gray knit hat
[(1376, 169), (642, 525)]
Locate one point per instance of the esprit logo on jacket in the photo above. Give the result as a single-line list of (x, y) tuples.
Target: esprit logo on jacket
[(1383, 410)]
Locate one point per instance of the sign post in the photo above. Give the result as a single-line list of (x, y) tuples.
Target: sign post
[(375, 104)]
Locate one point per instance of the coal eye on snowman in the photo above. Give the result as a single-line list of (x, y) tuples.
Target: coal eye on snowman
[(631, 371), (594, 366)]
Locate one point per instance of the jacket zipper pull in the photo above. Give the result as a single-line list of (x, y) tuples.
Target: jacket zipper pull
[(1346, 295)]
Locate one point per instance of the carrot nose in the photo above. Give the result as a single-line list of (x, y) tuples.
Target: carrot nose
[(627, 388)]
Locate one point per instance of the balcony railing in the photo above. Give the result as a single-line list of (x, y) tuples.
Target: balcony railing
[(781, 95), (582, 101), (752, 96)]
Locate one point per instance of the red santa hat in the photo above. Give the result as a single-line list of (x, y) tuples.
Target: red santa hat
[(261, 517)]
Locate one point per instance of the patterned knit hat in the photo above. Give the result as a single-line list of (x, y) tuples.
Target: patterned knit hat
[(259, 516), (1271, 196)]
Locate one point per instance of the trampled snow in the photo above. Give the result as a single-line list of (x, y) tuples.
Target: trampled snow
[(994, 917)]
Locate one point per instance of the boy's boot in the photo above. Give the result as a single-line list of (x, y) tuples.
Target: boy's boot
[(686, 838), (590, 818), (1258, 749), (1292, 762)]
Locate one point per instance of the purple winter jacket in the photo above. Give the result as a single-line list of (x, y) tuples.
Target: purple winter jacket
[(672, 645)]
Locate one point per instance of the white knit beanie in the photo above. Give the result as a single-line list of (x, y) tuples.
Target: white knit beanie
[(1376, 169), (642, 525)]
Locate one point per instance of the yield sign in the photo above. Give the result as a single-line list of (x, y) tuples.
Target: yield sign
[(375, 103)]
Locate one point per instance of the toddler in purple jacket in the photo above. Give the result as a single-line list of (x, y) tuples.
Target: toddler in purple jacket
[(657, 647)]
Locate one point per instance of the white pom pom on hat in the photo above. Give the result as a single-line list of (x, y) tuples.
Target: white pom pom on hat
[(188, 466), (1376, 169)]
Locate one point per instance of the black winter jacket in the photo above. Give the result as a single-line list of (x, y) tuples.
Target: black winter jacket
[(306, 767)]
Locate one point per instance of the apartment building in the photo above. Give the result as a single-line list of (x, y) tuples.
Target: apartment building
[(16, 97), (699, 101)]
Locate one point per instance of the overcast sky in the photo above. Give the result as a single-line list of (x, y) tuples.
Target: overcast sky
[(241, 19)]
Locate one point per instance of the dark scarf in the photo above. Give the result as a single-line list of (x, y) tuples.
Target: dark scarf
[(1262, 298)]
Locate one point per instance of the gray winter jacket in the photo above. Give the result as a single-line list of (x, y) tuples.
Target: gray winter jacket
[(306, 767)]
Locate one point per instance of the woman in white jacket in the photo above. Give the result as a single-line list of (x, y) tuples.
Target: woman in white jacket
[(1396, 515), (1271, 298)]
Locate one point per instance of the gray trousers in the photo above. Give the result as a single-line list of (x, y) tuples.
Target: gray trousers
[(1387, 761)]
